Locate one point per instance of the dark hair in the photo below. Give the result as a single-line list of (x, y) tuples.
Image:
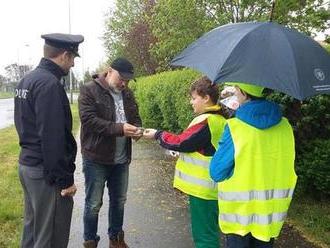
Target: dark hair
[(204, 86), (52, 52)]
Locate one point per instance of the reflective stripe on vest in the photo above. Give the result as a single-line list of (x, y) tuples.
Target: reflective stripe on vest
[(256, 198), (253, 218), (192, 169), (256, 195), (187, 159), (204, 183)]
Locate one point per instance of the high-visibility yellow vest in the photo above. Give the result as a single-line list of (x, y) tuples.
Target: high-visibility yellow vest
[(257, 197), (192, 169)]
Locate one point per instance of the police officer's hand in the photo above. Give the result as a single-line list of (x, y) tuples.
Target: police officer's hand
[(69, 191), (131, 131)]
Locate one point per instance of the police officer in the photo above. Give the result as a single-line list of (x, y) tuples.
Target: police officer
[(46, 162)]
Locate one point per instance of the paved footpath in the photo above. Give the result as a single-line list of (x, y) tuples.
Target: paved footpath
[(156, 215)]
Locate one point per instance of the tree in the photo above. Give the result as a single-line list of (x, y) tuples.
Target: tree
[(138, 41), (151, 32), (87, 76), (15, 71), (176, 24), (66, 82), (307, 16), (129, 35), (3, 80)]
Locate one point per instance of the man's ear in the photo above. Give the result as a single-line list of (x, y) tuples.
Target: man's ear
[(69, 54), (64, 56), (61, 58)]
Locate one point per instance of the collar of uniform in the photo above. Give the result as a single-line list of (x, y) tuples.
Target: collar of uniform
[(52, 67)]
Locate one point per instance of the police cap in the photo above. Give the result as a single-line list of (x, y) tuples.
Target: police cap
[(68, 42)]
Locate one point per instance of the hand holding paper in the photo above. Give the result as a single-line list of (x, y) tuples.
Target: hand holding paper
[(149, 133)]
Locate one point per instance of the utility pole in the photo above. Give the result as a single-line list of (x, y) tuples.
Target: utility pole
[(83, 65), (70, 73)]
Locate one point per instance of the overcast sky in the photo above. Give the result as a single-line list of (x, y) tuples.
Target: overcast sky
[(22, 22)]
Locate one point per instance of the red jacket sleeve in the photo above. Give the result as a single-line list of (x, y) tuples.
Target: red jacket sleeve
[(194, 138)]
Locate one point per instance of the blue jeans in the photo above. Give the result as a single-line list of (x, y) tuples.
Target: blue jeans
[(247, 241), (116, 179)]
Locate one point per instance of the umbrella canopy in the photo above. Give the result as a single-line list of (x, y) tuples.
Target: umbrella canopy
[(261, 53)]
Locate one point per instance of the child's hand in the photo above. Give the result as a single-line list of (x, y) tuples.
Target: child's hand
[(149, 133), (228, 91), (174, 153), (138, 133)]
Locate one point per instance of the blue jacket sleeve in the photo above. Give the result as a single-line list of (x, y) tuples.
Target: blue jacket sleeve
[(222, 163)]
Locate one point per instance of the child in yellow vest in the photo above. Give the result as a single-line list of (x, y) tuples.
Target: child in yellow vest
[(196, 146), (254, 166)]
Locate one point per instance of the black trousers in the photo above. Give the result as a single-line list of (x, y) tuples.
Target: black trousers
[(247, 241)]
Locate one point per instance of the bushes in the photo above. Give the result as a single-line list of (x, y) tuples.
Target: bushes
[(313, 168), (311, 123), (164, 103), (164, 99)]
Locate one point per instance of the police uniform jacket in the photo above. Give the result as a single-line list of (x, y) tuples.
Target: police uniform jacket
[(44, 123)]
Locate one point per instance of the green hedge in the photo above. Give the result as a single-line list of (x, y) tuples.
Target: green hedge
[(164, 104), (311, 123), (313, 168), (164, 99)]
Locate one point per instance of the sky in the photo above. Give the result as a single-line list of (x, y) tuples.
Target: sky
[(22, 22)]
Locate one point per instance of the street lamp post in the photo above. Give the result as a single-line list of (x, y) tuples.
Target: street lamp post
[(70, 73)]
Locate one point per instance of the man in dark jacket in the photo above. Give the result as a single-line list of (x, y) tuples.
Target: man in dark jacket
[(46, 163), (109, 119)]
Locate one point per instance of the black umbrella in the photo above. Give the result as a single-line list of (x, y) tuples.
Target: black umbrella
[(261, 53)]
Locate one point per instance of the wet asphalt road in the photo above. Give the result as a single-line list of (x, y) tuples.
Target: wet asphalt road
[(6, 112), (156, 216)]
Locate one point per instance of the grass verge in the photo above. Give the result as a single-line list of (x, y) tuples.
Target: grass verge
[(11, 203), (4, 95), (11, 195), (75, 117), (312, 219)]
